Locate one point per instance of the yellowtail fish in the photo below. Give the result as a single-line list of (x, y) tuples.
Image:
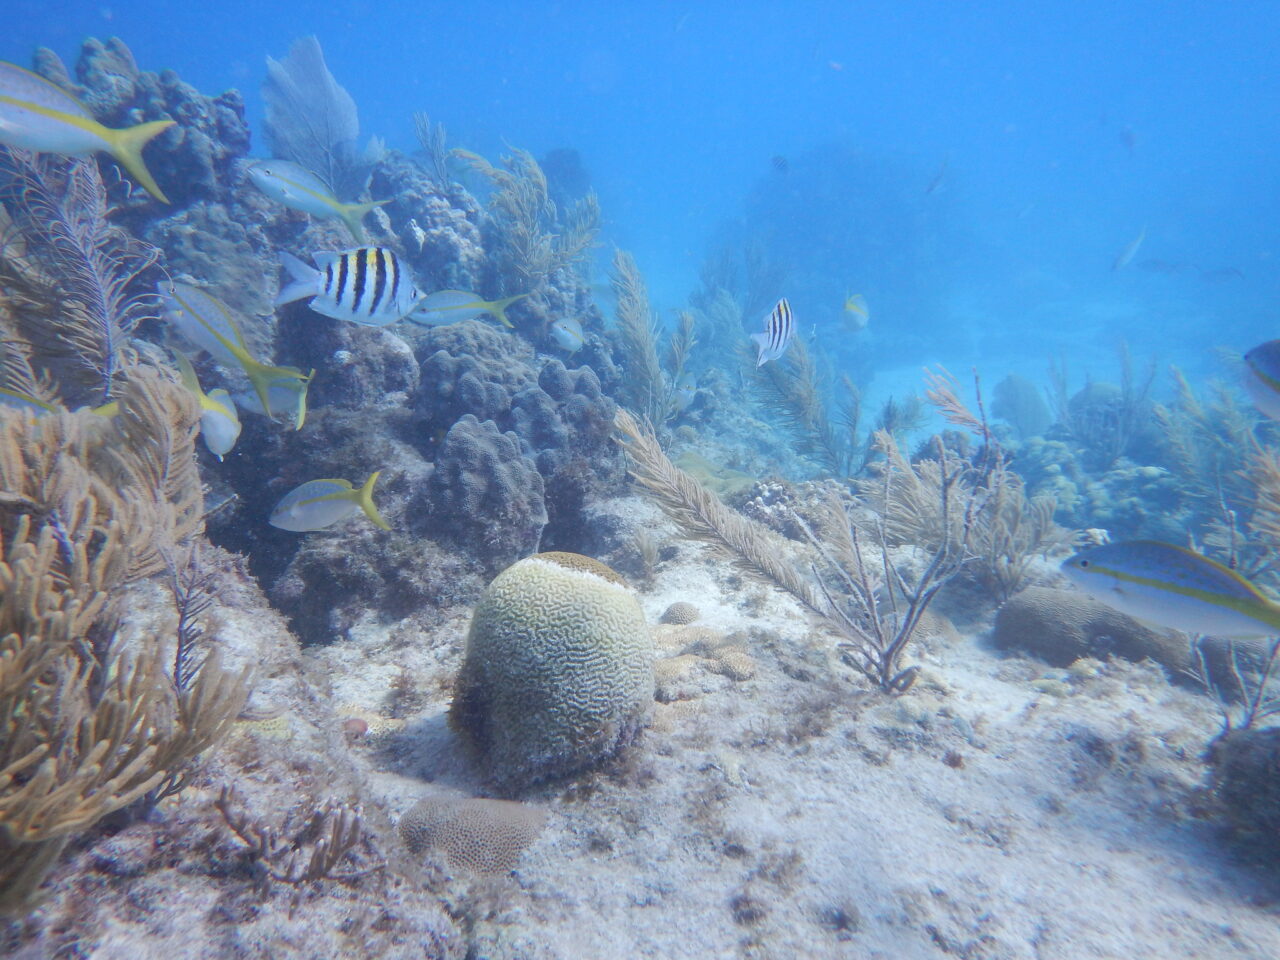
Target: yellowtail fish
[(568, 335), (369, 285), (1174, 588), (205, 320), (17, 400), (856, 312), (1262, 377), (450, 306), (1129, 251), (297, 187), (219, 422), (40, 116), (287, 395), (322, 503), (779, 328)]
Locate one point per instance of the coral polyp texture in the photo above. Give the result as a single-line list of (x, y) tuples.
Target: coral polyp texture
[(558, 672), (482, 836)]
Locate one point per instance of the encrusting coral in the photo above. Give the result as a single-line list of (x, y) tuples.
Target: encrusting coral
[(558, 670)]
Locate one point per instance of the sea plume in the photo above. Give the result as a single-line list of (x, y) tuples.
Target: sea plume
[(72, 303)]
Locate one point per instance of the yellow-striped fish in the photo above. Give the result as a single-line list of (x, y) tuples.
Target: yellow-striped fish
[(856, 313), (1175, 588), (297, 187), (451, 306), (17, 400), (322, 503), (40, 116), (205, 320), (369, 286), (219, 422)]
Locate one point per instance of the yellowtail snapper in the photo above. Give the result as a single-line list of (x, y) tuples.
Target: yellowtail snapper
[(207, 322), (779, 328), (219, 422), (451, 306), (297, 187), (40, 116), (1262, 377), (1175, 588), (322, 503), (368, 285)]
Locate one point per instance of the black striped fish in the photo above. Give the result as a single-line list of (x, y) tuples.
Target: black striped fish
[(779, 328), (369, 285)]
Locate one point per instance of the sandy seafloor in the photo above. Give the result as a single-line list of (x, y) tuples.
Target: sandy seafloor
[(1001, 808)]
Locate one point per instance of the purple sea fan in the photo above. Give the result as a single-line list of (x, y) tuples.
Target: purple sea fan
[(70, 274)]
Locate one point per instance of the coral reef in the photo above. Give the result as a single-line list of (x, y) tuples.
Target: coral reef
[(481, 836), (1246, 780), (1061, 626), (558, 671), (486, 493), (680, 612)]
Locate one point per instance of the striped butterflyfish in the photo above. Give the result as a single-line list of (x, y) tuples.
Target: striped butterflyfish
[(368, 285), (779, 328)]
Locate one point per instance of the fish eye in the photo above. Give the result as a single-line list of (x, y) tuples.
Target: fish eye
[(1084, 564)]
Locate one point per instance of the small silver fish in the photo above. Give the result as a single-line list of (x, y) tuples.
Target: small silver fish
[(368, 285), (444, 307), (1130, 250), (779, 328), (322, 503), (37, 115), (297, 187), (568, 335)]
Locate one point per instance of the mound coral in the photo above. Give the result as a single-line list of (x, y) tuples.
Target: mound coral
[(482, 836), (558, 672)]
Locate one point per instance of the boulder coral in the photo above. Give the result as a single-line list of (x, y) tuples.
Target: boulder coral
[(481, 836), (558, 672)]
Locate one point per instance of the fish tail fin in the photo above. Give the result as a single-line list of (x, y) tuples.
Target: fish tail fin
[(499, 309), (126, 146), (304, 385), (353, 213), (364, 497), (187, 374), (762, 344), (305, 280), (260, 378)]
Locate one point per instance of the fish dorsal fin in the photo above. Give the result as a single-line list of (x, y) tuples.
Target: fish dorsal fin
[(325, 257)]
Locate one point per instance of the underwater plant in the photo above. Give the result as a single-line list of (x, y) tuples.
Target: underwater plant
[(857, 588), (431, 137), (89, 725), (1103, 418), (70, 275), (534, 237), (312, 120)]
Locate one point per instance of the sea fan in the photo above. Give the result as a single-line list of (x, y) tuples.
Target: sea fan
[(311, 119), (70, 274)]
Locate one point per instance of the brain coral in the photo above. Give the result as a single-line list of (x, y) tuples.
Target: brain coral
[(558, 671), (482, 836), (680, 612)]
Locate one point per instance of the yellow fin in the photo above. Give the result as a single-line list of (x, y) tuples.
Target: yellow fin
[(126, 146), (365, 499), (353, 213), (499, 308)]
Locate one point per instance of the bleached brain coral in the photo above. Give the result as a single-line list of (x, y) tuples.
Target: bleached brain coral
[(479, 835), (558, 671)]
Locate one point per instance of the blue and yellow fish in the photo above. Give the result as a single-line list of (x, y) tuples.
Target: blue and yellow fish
[(1175, 588), (40, 116), (322, 503), (297, 187)]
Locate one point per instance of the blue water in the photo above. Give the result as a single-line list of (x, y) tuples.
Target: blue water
[(1065, 128)]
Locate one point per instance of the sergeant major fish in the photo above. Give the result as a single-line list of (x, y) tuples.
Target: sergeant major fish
[(322, 503), (1175, 588), (779, 328), (369, 285), (1262, 377), (38, 115), (297, 187)]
